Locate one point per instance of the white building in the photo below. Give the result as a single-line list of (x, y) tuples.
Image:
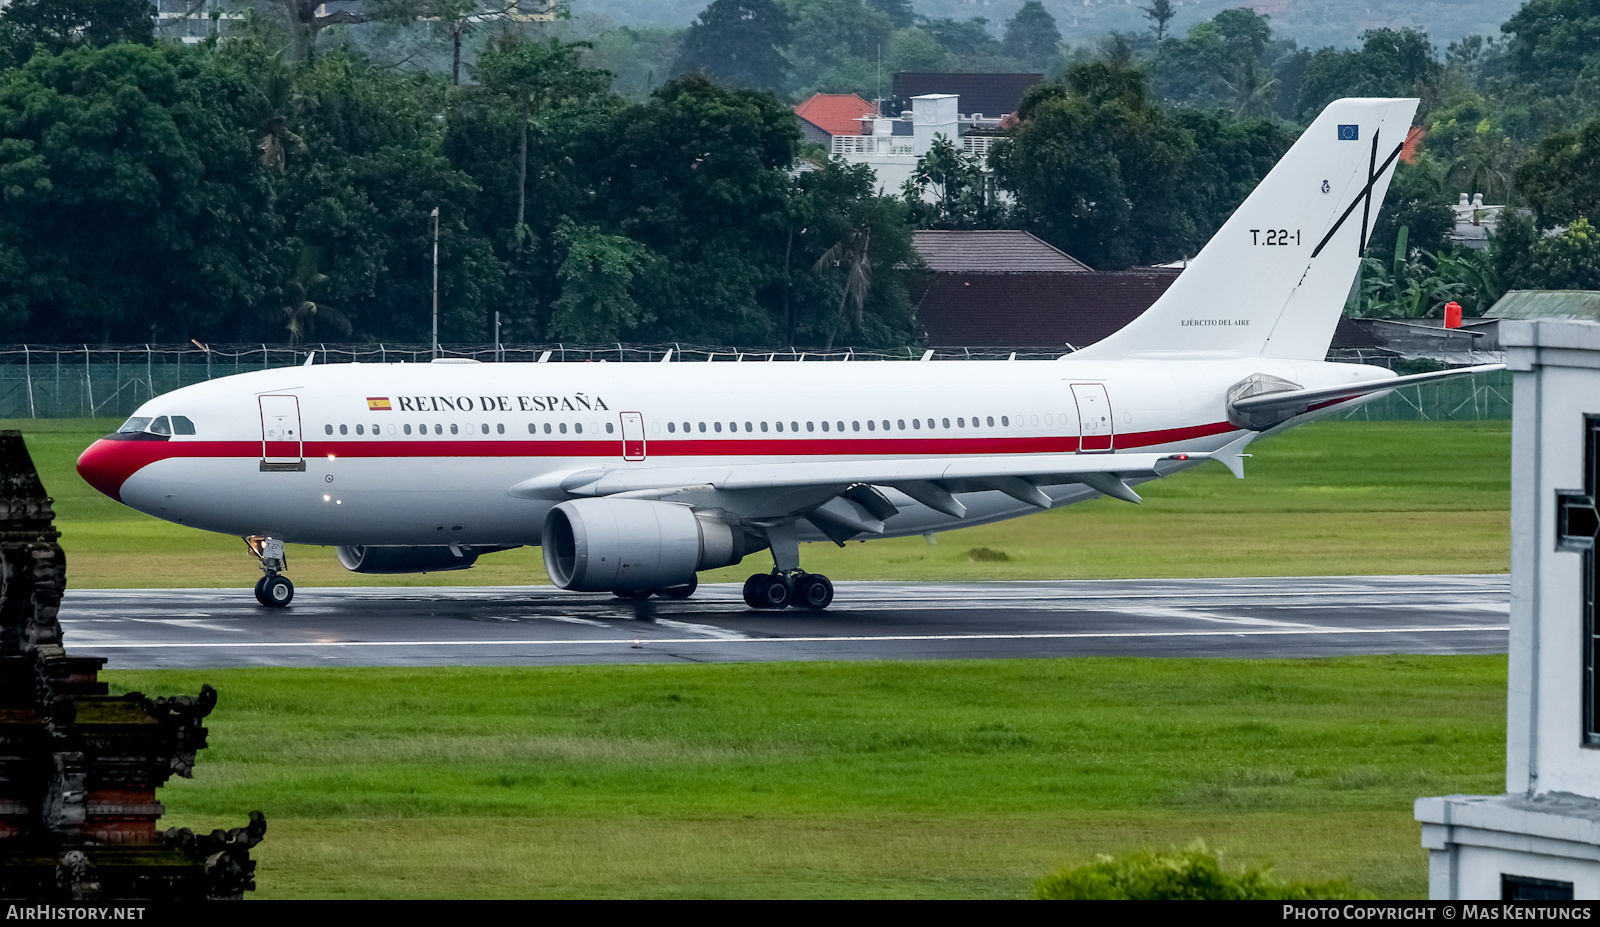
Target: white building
[(1541, 839), (891, 146)]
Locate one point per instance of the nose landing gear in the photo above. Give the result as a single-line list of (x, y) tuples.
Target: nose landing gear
[(273, 589)]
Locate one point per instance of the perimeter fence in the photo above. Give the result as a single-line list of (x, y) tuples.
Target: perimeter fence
[(111, 381)]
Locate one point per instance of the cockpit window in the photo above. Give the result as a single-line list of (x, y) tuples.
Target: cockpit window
[(160, 426), (181, 425), (137, 423)]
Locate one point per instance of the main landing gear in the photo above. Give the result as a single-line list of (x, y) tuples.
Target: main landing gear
[(787, 584), (794, 587), (273, 589)]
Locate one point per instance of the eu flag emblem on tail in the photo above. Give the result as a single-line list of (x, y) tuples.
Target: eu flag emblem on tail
[(378, 404), (1349, 133)]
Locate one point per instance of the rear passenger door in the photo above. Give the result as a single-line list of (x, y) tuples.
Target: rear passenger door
[(1094, 417)]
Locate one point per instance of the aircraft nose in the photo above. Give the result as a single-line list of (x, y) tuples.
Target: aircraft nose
[(106, 465)]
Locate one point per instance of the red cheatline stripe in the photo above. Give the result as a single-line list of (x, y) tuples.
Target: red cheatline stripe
[(774, 446), (108, 464)]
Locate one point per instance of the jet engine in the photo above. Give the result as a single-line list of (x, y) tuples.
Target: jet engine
[(430, 559), (636, 545)]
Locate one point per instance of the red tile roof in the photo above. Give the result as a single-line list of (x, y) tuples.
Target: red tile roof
[(1413, 144), (835, 113)]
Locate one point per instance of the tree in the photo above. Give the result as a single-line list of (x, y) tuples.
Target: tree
[(834, 46), (1160, 12), (135, 201), (969, 40), (533, 77), (301, 311), (596, 303), (900, 13), (1096, 167), (305, 20), (738, 41), (58, 25), (1561, 177), (698, 175), (362, 191), (1031, 36), (456, 19), (1390, 63), (1551, 43), (957, 183)]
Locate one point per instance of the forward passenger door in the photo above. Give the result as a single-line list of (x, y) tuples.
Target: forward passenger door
[(280, 434)]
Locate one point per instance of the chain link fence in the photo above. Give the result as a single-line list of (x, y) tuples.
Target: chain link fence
[(111, 381)]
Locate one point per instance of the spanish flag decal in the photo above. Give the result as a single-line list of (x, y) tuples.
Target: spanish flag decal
[(379, 404)]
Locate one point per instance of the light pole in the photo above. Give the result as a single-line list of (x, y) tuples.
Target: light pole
[(435, 281)]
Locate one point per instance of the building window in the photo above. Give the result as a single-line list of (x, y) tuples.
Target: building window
[(1527, 888)]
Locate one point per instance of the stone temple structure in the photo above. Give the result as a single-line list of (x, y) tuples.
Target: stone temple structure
[(79, 768)]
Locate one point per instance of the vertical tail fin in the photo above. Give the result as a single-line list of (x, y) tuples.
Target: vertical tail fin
[(1274, 278)]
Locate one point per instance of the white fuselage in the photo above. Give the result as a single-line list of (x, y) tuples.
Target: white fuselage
[(421, 454)]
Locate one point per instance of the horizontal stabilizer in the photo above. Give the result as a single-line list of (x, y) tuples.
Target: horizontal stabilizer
[(1287, 403)]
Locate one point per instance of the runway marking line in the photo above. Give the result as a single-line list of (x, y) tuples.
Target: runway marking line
[(885, 638)]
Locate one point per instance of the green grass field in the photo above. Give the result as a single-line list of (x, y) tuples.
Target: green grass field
[(1331, 498), (896, 779)]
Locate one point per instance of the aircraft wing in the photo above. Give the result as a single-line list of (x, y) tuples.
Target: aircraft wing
[(1294, 401), (929, 480)]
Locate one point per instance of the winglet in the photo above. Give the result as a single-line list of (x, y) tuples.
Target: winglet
[(1231, 455)]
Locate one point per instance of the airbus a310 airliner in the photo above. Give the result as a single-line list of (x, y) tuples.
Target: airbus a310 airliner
[(634, 477)]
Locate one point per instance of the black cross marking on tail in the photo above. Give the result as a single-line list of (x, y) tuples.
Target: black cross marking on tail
[(1364, 197), (1577, 524)]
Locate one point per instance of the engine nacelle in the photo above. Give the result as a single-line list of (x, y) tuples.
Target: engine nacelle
[(430, 559), (633, 545)]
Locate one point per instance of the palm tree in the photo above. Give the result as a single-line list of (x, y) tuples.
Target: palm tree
[(275, 105), (301, 311), (853, 253)]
